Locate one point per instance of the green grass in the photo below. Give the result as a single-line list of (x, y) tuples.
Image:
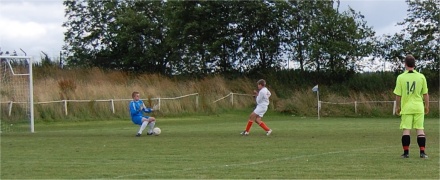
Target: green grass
[(210, 147)]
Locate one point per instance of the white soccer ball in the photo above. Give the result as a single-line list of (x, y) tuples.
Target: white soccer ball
[(156, 131)]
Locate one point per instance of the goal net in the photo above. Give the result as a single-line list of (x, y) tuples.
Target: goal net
[(16, 93)]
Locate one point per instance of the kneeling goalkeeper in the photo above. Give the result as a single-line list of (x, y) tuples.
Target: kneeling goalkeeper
[(137, 108)]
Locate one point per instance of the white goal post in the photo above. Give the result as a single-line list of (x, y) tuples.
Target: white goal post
[(16, 89)]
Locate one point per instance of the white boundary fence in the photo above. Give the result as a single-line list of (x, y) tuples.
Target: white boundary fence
[(111, 101), (231, 95), (365, 102)]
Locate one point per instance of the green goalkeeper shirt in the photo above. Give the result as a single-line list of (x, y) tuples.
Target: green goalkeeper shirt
[(411, 86)]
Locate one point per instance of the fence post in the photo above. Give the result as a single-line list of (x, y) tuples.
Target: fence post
[(112, 105), (158, 102), (65, 106), (394, 107), (10, 108), (232, 98), (197, 101), (355, 107), (319, 109)]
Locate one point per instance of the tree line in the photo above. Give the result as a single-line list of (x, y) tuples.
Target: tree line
[(221, 37)]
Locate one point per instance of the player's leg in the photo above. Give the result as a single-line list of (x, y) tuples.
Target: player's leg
[(143, 125), (263, 125), (419, 120), (138, 121), (421, 141), (151, 124), (406, 126), (251, 120), (260, 111)]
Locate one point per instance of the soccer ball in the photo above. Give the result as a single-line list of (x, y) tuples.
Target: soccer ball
[(156, 131)]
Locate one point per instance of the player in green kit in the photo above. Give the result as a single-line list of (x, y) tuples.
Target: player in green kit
[(412, 103)]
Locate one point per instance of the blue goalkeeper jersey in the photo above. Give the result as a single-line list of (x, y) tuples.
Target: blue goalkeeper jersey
[(137, 108)]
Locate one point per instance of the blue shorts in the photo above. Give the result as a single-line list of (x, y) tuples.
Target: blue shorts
[(138, 119)]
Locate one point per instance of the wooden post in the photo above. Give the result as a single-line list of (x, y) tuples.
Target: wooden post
[(197, 101), (10, 108), (65, 106), (112, 105), (394, 107), (355, 107), (232, 98)]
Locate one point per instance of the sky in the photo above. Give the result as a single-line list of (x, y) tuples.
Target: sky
[(35, 26)]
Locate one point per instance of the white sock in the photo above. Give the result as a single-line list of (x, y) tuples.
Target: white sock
[(143, 126), (151, 126)]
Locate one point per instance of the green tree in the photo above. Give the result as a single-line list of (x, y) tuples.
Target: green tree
[(141, 37), (339, 40), (390, 49), (421, 34), (261, 29), (125, 35), (204, 36), (297, 17), (420, 37), (90, 30), (207, 37)]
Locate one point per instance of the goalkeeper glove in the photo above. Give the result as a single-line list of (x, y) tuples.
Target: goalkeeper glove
[(156, 107)]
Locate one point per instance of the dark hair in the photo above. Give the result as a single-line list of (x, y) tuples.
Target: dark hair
[(410, 61)]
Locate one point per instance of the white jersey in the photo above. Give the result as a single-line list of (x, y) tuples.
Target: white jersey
[(263, 97)]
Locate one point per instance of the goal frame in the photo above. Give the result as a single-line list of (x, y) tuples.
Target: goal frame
[(31, 85)]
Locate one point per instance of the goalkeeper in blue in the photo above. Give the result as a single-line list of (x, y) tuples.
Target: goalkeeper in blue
[(137, 108)]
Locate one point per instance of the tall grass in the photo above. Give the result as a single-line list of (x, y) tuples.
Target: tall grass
[(53, 84), (96, 84)]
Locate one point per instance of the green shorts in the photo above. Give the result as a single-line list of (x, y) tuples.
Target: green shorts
[(410, 121)]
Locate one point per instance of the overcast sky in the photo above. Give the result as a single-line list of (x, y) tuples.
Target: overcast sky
[(35, 25)]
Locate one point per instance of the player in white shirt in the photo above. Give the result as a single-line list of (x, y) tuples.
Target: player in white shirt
[(262, 100)]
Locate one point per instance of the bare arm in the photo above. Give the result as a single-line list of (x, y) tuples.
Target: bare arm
[(255, 93), (398, 105), (426, 99)]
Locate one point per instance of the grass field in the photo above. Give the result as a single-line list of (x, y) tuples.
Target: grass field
[(210, 147)]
